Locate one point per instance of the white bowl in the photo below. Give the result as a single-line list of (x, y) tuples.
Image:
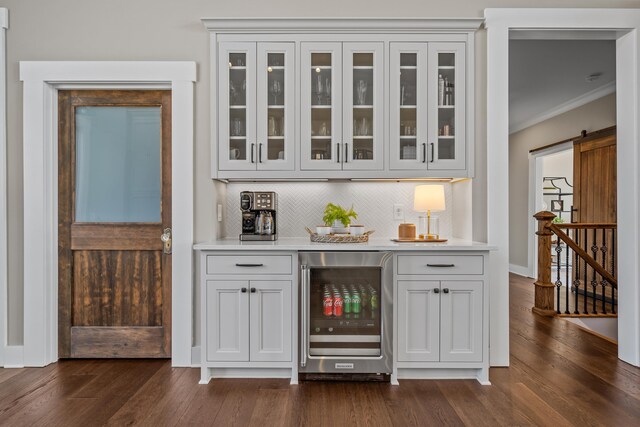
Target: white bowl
[(356, 230), (323, 230)]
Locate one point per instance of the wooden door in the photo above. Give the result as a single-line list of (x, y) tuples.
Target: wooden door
[(270, 321), (114, 203), (461, 321), (595, 201), (227, 320), (418, 321)]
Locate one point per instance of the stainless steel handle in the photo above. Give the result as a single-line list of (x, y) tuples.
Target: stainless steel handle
[(436, 290), (338, 152), (441, 265), (252, 148), (260, 153), (304, 336), (424, 152), (166, 241), (249, 265), (346, 152), (432, 152), (445, 290)]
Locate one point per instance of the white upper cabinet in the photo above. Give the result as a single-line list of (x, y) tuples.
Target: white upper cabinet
[(344, 99), (256, 119)]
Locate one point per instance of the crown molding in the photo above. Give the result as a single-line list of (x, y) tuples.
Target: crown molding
[(343, 25)]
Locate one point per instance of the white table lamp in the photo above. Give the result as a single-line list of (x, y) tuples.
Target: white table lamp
[(428, 198)]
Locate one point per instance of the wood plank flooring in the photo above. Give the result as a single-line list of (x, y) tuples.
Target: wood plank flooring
[(559, 376)]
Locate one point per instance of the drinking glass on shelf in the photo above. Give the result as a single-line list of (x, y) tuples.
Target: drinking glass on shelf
[(319, 87), (327, 90), (361, 92), (276, 90)]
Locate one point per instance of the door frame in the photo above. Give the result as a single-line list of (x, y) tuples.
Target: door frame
[(4, 254), (41, 81), (622, 25)]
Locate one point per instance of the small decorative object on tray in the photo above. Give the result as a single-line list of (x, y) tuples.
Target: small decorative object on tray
[(339, 238)]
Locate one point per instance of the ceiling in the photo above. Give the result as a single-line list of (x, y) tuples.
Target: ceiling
[(548, 77)]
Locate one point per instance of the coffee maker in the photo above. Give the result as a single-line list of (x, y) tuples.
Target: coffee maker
[(258, 215)]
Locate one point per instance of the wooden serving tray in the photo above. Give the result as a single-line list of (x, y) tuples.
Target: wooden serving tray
[(419, 240)]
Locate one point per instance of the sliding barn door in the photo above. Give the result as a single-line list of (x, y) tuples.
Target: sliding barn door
[(114, 204)]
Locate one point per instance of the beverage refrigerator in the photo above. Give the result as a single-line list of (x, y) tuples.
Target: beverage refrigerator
[(346, 302)]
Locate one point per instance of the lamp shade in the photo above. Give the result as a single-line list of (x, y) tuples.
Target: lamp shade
[(428, 198)]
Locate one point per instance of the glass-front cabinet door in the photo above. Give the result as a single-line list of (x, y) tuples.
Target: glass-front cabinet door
[(275, 106), (446, 64), (363, 102), (321, 106), (256, 103), (408, 106)]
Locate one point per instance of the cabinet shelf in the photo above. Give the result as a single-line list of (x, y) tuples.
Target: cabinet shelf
[(321, 137), (408, 67), (446, 136), (237, 107), (446, 67), (363, 106), (408, 137), (363, 67), (275, 137), (319, 107), (237, 67), (275, 67), (237, 138), (445, 107), (363, 137), (321, 67), (276, 107), (407, 107)]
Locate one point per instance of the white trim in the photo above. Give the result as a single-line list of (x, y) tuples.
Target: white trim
[(41, 82), (576, 102), (195, 356), (520, 270), (626, 24), (14, 357), (342, 25), (4, 24)]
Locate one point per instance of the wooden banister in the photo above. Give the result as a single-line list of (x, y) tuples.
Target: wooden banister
[(584, 255), (543, 287)]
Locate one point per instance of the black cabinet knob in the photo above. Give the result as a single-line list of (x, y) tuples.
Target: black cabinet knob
[(243, 290), (436, 290), (253, 290), (445, 290)]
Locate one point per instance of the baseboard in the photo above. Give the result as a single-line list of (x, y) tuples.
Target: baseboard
[(195, 356), (520, 270), (14, 356)]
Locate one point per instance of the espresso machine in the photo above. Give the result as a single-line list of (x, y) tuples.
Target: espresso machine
[(258, 215)]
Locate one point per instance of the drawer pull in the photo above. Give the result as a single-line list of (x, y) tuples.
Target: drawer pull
[(441, 265), (445, 290), (249, 265), (243, 290), (436, 290), (253, 290)]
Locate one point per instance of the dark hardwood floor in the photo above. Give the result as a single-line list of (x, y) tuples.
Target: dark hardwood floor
[(559, 375)]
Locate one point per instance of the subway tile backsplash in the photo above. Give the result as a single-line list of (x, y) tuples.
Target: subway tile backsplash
[(302, 204)]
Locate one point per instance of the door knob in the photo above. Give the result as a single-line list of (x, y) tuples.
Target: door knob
[(166, 240)]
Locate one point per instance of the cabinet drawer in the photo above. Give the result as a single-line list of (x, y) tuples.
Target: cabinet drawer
[(249, 264), (440, 264)]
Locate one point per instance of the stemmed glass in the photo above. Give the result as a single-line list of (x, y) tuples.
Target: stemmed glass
[(276, 90), (319, 88)]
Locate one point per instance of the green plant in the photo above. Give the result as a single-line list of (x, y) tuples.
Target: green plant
[(557, 220), (334, 213)]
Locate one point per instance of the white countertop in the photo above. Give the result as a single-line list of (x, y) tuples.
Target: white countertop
[(374, 244)]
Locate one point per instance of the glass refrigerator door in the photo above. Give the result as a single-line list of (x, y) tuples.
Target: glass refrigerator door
[(344, 318)]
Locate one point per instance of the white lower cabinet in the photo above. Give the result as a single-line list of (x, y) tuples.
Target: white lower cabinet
[(441, 315), (249, 320)]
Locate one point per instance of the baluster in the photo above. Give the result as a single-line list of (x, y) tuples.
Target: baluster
[(603, 249), (594, 280), (576, 269), (567, 282), (558, 266), (613, 268), (586, 276)]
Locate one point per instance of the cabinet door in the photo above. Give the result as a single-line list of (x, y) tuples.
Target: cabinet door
[(447, 141), (270, 321), (408, 102), (227, 320), (275, 106), (461, 321), (321, 106), (418, 321), (363, 102), (237, 106)]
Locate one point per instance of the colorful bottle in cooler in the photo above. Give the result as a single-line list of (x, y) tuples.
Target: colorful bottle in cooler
[(346, 297), (327, 304), (374, 300), (337, 304), (356, 303)]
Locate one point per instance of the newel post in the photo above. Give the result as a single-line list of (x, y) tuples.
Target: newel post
[(544, 288)]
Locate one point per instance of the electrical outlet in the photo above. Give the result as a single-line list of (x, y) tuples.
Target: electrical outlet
[(219, 212), (398, 211)]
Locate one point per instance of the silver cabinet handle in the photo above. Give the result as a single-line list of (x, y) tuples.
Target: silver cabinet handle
[(441, 265), (304, 315), (249, 265), (432, 152), (424, 153)]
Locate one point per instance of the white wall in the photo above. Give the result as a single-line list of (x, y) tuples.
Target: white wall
[(558, 165), (596, 115), (170, 30)]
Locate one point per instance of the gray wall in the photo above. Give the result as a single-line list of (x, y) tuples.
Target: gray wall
[(171, 30), (595, 115)]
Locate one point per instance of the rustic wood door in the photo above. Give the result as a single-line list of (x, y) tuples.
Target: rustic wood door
[(114, 203), (595, 201)]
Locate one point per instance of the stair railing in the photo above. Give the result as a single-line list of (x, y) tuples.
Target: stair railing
[(581, 258)]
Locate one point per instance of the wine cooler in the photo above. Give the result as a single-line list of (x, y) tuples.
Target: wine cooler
[(345, 312)]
